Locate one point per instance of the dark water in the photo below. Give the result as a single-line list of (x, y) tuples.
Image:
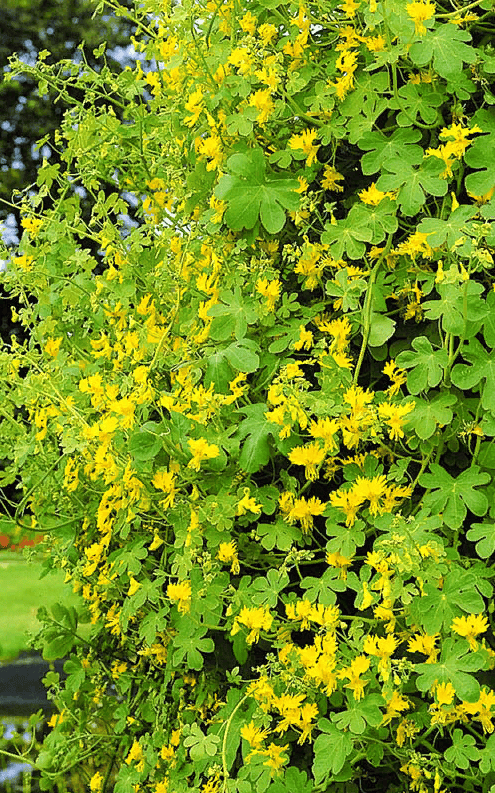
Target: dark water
[(21, 694)]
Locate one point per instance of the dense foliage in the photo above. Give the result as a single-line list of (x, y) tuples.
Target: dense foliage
[(257, 426)]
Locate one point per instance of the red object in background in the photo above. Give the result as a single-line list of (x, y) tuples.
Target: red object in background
[(25, 542)]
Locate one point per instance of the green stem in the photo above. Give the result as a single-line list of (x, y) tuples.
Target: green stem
[(368, 305), (224, 742)]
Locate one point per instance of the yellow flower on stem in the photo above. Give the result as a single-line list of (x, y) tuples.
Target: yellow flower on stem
[(180, 593), (394, 416), (305, 142), (255, 619), (470, 627), (248, 504), (419, 12), (372, 196), (254, 735), (201, 450), (311, 456), (227, 553)]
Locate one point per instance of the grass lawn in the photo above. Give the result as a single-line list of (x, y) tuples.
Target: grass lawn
[(21, 594)]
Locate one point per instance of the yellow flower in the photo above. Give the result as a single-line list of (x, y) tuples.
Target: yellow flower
[(305, 510), (325, 429), (275, 759), (201, 450), (194, 106), (248, 504), (373, 196), (337, 560), (395, 705), (270, 290), (96, 782), (134, 586), (481, 710), (470, 627), (263, 103), (305, 142), (32, 225), (254, 735), (394, 416), (419, 12), (424, 644), (180, 593), (25, 262), (305, 340), (248, 23), (396, 375), (311, 456), (330, 178), (349, 502), (349, 7), (358, 667), (211, 148), (445, 693), (255, 620), (383, 648), (227, 553), (267, 32), (136, 754)]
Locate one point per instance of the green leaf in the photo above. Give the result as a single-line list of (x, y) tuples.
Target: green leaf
[(345, 237), (430, 414), (219, 372), (323, 588), (414, 184), (265, 591), (331, 748), (345, 538), (455, 665), (189, 644), (76, 674), (422, 100), (294, 781), (145, 443), (460, 307), (489, 324), (483, 534), (242, 356), (480, 154), (452, 496), (58, 647), (482, 368), (440, 231), (255, 428), (438, 607), (251, 194), (359, 714), (427, 364), (463, 751), (348, 289), (381, 148), (487, 761), (201, 746), (236, 312), (382, 329), (237, 716), (446, 47), (279, 535)]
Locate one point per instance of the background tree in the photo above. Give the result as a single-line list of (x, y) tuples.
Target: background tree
[(28, 27)]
